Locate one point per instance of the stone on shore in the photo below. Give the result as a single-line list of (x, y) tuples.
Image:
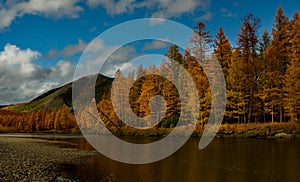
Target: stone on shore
[(283, 135)]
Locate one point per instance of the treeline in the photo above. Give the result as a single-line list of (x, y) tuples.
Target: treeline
[(262, 74), (146, 87), (42, 120)]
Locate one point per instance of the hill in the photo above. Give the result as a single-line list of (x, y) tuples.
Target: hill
[(55, 99), (51, 111)]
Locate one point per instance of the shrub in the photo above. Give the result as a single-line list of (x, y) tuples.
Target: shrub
[(170, 122)]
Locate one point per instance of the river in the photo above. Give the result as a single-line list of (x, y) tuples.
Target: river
[(225, 159)]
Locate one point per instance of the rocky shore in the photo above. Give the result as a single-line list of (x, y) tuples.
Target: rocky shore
[(26, 159)]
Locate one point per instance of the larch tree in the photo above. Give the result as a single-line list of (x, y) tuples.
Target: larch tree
[(248, 44), (264, 43), (223, 50), (292, 76), (198, 52), (236, 102), (277, 62), (136, 90)]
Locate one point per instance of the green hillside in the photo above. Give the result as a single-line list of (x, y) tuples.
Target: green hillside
[(56, 98)]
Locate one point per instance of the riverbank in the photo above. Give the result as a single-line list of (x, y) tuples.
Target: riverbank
[(251, 130), (260, 130), (27, 159)]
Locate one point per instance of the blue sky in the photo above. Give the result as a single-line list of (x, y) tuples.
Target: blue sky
[(41, 41)]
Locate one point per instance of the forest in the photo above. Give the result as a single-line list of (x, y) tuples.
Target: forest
[(262, 75)]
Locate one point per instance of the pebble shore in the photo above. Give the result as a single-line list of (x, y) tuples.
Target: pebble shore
[(27, 159)]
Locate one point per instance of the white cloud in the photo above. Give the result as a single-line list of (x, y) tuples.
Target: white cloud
[(156, 44), (12, 9), (156, 21), (63, 72), (47, 8), (114, 7), (206, 17), (120, 60), (19, 60), (161, 8), (175, 8), (128, 68), (68, 51), (21, 79), (95, 56)]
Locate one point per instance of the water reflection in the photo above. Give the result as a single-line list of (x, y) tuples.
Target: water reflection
[(222, 160)]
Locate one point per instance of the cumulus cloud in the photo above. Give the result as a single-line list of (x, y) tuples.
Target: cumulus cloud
[(93, 57), (21, 79), (63, 72), (12, 9), (114, 7), (175, 8), (120, 60), (94, 61), (156, 44), (68, 51), (162, 9)]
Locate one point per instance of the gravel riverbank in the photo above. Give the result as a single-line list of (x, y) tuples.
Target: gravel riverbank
[(27, 159)]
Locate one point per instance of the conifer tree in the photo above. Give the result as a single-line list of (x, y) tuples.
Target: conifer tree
[(292, 76), (223, 50), (248, 45), (277, 62)]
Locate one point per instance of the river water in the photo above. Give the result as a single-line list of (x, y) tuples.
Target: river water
[(226, 159)]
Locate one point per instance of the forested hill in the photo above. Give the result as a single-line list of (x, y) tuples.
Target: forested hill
[(51, 111), (55, 99)]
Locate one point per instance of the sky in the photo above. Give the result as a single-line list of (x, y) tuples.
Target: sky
[(41, 41)]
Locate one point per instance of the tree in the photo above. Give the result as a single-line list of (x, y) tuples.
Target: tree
[(277, 62), (136, 90), (201, 45), (292, 76), (174, 56), (248, 45), (236, 101), (223, 50), (200, 42)]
